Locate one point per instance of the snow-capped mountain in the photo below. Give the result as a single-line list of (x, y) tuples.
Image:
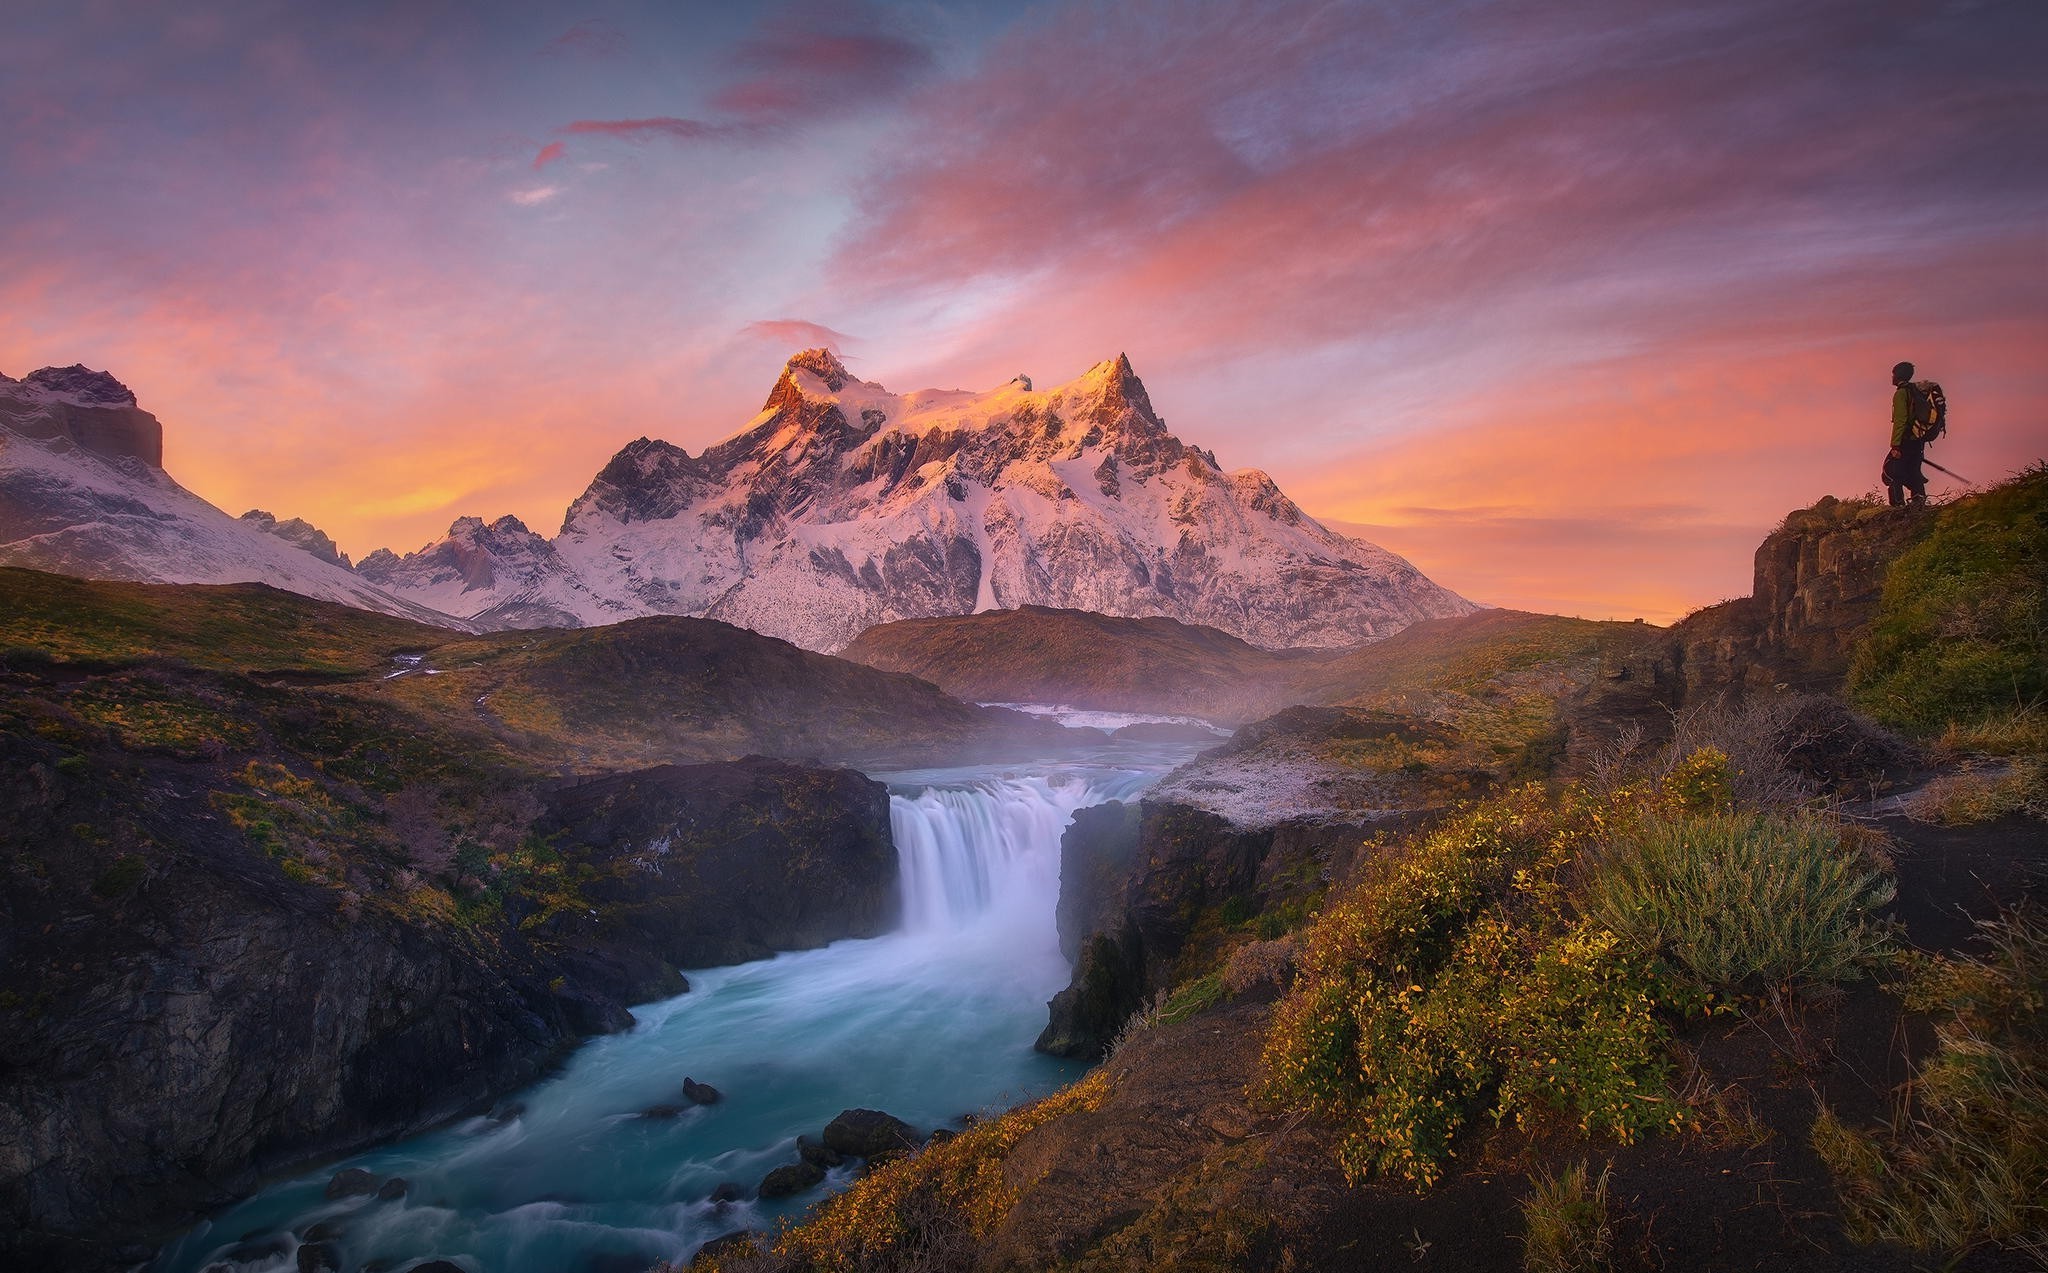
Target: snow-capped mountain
[(83, 492), (842, 505)]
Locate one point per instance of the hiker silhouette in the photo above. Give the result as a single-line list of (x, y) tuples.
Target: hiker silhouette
[(1902, 473)]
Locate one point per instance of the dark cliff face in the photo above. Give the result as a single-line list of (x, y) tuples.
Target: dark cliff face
[(716, 864), (1148, 895), (89, 409), (189, 1005), (1818, 581)]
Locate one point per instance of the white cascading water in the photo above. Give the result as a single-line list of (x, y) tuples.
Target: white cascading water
[(929, 1023), (989, 852)]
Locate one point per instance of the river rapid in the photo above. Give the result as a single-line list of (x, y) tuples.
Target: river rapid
[(930, 1023)]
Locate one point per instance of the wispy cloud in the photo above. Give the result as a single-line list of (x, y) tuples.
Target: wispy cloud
[(823, 61), (550, 153), (534, 196), (796, 333), (660, 127), (819, 62), (589, 38)]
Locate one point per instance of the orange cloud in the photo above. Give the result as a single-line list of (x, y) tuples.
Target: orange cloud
[(550, 153)]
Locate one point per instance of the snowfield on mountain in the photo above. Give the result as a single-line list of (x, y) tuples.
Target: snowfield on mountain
[(842, 505)]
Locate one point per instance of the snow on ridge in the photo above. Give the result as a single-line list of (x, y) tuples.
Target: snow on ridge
[(842, 504), (76, 498)]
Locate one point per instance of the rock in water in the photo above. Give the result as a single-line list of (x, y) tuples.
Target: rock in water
[(700, 1093), (866, 1133), (351, 1181), (794, 1178)]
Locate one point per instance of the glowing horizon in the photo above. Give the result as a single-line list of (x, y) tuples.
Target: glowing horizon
[(1566, 304)]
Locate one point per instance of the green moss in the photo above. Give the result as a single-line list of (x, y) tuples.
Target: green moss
[(1962, 631)]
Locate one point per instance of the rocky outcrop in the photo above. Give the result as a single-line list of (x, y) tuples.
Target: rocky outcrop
[(1817, 582), (300, 532), (721, 863), (1147, 893), (77, 407)]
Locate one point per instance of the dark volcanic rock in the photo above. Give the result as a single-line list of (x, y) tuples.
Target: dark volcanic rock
[(866, 1133), (319, 1257), (1138, 883), (728, 1191), (393, 1189), (184, 1016), (351, 1182), (790, 1179), (1818, 580), (700, 1093), (818, 1155), (713, 864)]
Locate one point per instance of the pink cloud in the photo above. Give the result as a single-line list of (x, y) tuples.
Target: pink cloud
[(820, 62), (796, 333), (661, 127), (550, 153)]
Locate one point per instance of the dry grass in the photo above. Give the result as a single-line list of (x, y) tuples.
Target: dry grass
[(1566, 1226), (1964, 1160), (1979, 793)]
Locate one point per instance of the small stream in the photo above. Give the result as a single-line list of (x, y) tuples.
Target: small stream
[(930, 1023)]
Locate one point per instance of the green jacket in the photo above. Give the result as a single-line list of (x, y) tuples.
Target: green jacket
[(1902, 415)]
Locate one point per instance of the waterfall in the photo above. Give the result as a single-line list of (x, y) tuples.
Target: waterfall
[(926, 1023), (989, 850)]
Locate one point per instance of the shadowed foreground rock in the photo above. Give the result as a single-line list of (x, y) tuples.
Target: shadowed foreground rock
[(182, 1015)]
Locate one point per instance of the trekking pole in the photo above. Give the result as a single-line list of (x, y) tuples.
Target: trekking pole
[(1951, 472)]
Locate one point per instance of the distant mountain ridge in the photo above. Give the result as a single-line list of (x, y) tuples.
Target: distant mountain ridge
[(83, 492), (842, 505)]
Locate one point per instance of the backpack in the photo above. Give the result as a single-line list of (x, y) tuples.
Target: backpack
[(1930, 410)]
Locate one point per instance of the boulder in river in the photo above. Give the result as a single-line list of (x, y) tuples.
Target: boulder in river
[(319, 1257), (818, 1155), (393, 1189), (701, 1093), (661, 1111), (865, 1133), (728, 1191), (350, 1182)]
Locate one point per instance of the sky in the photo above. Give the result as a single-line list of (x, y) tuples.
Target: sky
[(1567, 302)]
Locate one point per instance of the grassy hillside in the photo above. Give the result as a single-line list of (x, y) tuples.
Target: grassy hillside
[(1037, 654), (237, 627), (637, 693), (1962, 631)]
